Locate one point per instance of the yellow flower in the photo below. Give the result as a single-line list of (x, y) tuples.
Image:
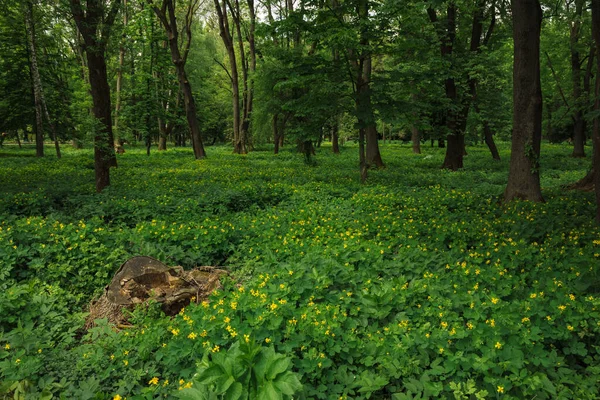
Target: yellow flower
[(570, 327), (7, 346), (166, 382), (175, 332), (187, 385), (153, 381), (500, 389), (267, 340), (117, 397), (126, 362), (441, 350), (18, 361), (572, 297), (562, 307), (525, 319), (498, 345), (495, 300), (216, 349), (226, 320), (192, 336)]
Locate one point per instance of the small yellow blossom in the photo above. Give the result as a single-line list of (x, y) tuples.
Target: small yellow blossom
[(267, 340), (192, 336), (500, 389), (495, 300), (525, 319), (7, 346), (570, 327), (117, 397), (498, 345), (153, 381)]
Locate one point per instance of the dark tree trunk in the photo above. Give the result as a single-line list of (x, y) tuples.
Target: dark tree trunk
[(373, 155), (335, 138), (35, 78), (167, 16), (596, 129), (120, 71), (95, 36), (416, 139), (239, 145), (276, 134), (578, 122), (488, 137), (524, 175)]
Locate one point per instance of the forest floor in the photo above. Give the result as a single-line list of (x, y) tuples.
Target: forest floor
[(418, 283)]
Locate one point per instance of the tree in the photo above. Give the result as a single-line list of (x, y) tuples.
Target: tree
[(578, 121), (524, 175), (596, 129), (38, 92), (94, 22), (166, 15)]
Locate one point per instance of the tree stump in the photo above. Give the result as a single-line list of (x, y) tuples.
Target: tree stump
[(141, 279)]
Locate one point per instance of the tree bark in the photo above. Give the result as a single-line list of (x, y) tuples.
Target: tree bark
[(524, 176), (225, 33), (166, 14), (335, 137), (35, 77), (95, 25), (120, 72), (488, 137), (578, 121), (366, 118), (596, 129)]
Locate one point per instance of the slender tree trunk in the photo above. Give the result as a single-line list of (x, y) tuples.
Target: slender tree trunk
[(276, 133), (225, 33), (578, 122), (373, 155), (524, 175), (416, 139), (120, 72), (35, 77), (167, 16), (335, 137), (596, 128), (488, 137)]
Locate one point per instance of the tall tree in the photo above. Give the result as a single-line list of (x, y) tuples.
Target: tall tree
[(578, 121), (94, 22), (596, 129), (166, 14), (524, 175), (35, 78)]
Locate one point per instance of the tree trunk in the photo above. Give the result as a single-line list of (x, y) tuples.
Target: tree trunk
[(120, 71), (167, 16), (596, 129), (35, 77), (239, 146), (488, 137), (373, 155), (335, 137), (95, 36), (276, 133), (578, 122), (524, 175), (415, 138)]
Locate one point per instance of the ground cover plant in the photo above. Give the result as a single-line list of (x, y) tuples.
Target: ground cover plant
[(418, 284)]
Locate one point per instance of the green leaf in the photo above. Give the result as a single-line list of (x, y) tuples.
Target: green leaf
[(277, 366), (234, 392)]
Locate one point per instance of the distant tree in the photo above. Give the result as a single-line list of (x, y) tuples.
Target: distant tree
[(524, 175)]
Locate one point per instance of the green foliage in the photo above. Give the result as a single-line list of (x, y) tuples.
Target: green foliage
[(245, 371), (417, 285)]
